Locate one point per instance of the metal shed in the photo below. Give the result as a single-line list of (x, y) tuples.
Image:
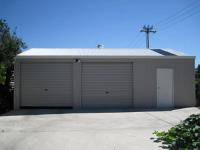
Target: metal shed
[(104, 78)]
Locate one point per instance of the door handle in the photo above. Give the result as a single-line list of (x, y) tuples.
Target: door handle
[(46, 90), (107, 92)]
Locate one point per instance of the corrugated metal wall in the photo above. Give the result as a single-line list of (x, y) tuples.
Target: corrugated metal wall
[(106, 83)]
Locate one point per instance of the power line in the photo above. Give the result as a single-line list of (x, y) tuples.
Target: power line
[(138, 40), (134, 39), (140, 43), (178, 14), (181, 15), (180, 20)]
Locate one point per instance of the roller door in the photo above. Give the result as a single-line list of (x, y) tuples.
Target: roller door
[(46, 84), (107, 85)]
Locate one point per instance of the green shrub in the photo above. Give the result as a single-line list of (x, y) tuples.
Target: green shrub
[(185, 135), (197, 77)]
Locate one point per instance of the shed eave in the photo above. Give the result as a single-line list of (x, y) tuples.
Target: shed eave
[(101, 57)]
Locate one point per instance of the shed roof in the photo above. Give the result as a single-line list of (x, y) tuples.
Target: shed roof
[(98, 52)]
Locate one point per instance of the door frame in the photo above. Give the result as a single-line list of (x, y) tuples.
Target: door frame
[(172, 86)]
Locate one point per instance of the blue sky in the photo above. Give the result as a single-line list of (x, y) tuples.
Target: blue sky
[(114, 23)]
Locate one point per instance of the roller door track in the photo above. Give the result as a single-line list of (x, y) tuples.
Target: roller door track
[(107, 85), (46, 85)]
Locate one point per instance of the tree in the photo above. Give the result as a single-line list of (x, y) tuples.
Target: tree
[(198, 68), (10, 46)]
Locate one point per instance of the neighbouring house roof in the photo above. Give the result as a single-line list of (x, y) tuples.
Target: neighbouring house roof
[(100, 53)]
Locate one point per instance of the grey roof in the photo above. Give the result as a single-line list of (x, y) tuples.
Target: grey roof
[(99, 52)]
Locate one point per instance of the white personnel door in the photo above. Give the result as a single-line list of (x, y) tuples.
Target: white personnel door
[(165, 88)]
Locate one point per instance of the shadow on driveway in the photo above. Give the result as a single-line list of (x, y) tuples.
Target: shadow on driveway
[(43, 111)]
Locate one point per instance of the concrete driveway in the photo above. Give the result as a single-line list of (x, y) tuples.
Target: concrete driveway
[(50, 129)]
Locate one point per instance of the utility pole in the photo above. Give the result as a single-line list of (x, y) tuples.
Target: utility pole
[(147, 29)]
